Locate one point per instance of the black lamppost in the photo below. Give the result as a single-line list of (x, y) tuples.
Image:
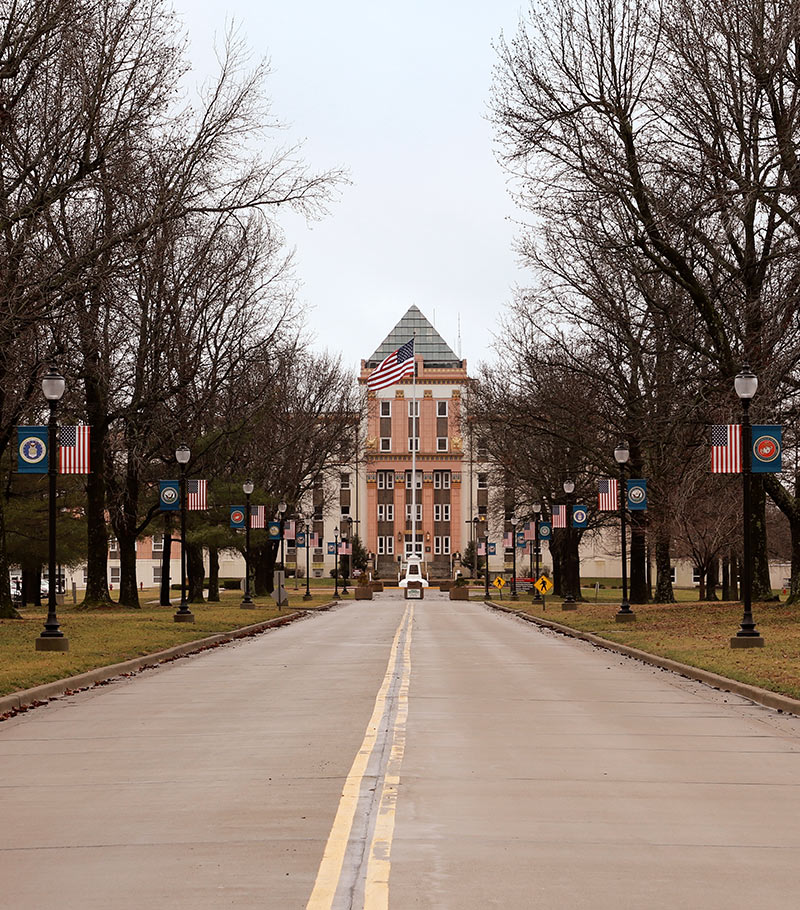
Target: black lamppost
[(247, 600), (347, 521), (52, 638), (184, 614), (307, 526), (537, 510), (282, 507), (514, 523), (621, 454), (336, 562), (486, 551), (746, 384), (569, 598)]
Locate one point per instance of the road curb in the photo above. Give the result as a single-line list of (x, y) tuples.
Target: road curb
[(760, 696), (25, 699)]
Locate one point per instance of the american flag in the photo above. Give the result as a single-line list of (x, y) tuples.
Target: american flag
[(196, 495), (508, 539), (398, 364), (726, 449), (345, 549), (288, 530), (607, 493), (530, 530), (482, 548), (73, 450), (258, 516), (559, 516), (313, 540)]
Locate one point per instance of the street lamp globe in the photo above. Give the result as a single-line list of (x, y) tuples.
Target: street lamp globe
[(514, 521), (282, 507), (247, 487), (569, 486), (746, 383), (622, 453), (537, 507), (182, 454), (53, 385)]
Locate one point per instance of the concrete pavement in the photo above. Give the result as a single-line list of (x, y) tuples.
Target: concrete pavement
[(453, 758)]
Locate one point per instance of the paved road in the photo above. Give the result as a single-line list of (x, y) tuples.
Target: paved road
[(403, 755)]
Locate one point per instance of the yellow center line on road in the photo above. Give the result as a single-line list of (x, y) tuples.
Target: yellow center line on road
[(376, 893), (330, 868)]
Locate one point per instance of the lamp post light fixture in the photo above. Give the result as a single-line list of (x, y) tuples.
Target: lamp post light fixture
[(247, 600), (347, 521), (184, 614), (514, 523), (52, 638), (621, 455), (336, 563), (307, 595), (746, 385), (537, 511), (569, 597)]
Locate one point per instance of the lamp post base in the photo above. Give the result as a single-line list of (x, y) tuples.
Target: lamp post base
[(247, 604), (515, 596), (52, 643), (184, 617), (747, 641), (625, 616), (308, 597), (569, 605)]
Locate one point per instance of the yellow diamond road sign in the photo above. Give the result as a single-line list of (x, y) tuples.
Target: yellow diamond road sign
[(499, 583), (543, 585)]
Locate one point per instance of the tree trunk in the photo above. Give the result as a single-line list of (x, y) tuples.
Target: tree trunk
[(166, 562), (638, 555), (264, 559), (702, 573), (558, 566), (664, 593), (32, 587), (96, 594), (7, 608), (649, 565), (762, 586), (734, 561), (794, 582), (128, 593), (195, 571), (712, 575), (213, 574), (726, 578)]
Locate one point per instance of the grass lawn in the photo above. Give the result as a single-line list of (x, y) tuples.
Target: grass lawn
[(697, 634), (98, 638)]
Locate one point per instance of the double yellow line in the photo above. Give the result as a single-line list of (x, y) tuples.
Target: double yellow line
[(376, 885)]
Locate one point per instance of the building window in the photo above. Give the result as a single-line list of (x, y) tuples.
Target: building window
[(386, 443), (386, 409), (483, 450), (158, 543), (441, 443), (483, 510), (413, 409), (441, 480), (441, 545), (419, 511), (345, 510), (344, 481), (413, 443), (86, 575), (441, 511), (441, 409), (408, 480), (696, 575), (385, 480), (156, 575), (386, 546), (113, 547), (385, 511), (483, 481), (115, 574), (672, 574)]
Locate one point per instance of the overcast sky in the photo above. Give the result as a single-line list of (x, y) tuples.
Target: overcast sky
[(397, 94)]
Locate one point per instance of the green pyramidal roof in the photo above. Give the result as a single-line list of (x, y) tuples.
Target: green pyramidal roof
[(429, 343)]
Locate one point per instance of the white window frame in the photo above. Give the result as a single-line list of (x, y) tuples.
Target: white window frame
[(385, 480), (385, 511), (419, 480), (114, 574), (413, 408), (345, 510), (672, 574), (441, 511), (441, 408), (158, 543), (381, 546), (413, 443), (113, 545), (344, 481), (386, 407), (441, 546), (390, 546), (386, 444), (483, 484), (442, 444), (696, 575), (441, 480), (419, 512), (157, 575)]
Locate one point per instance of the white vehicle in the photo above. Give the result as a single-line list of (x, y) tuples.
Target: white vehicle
[(413, 572)]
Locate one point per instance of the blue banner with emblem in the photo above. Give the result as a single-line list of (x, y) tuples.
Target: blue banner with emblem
[(331, 549), (32, 450), (274, 530), (521, 542), (300, 539), (767, 447), (237, 517), (580, 517), (637, 495), (169, 495), (545, 531)]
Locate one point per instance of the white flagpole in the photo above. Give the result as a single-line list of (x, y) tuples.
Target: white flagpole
[(415, 438)]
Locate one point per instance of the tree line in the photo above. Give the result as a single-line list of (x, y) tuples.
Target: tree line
[(141, 255), (652, 147)]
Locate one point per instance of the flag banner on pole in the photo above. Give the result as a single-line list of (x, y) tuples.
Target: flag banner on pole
[(398, 364), (559, 516), (607, 494), (237, 516), (300, 539), (481, 549), (331, 549), (522, 540), (258, 516), (196, 495), (345, 549), (32, 450), (274, 530), (545, 531), (169, 495), (493, 549), (507, 540), (73, 450), (726, 449), (289, 530), (767, 446), (530, 530), (580, 517), (637, 495), (315, 541)]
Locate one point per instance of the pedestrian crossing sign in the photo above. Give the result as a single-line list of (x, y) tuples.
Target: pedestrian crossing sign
[(499, 583), (543, 584)]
